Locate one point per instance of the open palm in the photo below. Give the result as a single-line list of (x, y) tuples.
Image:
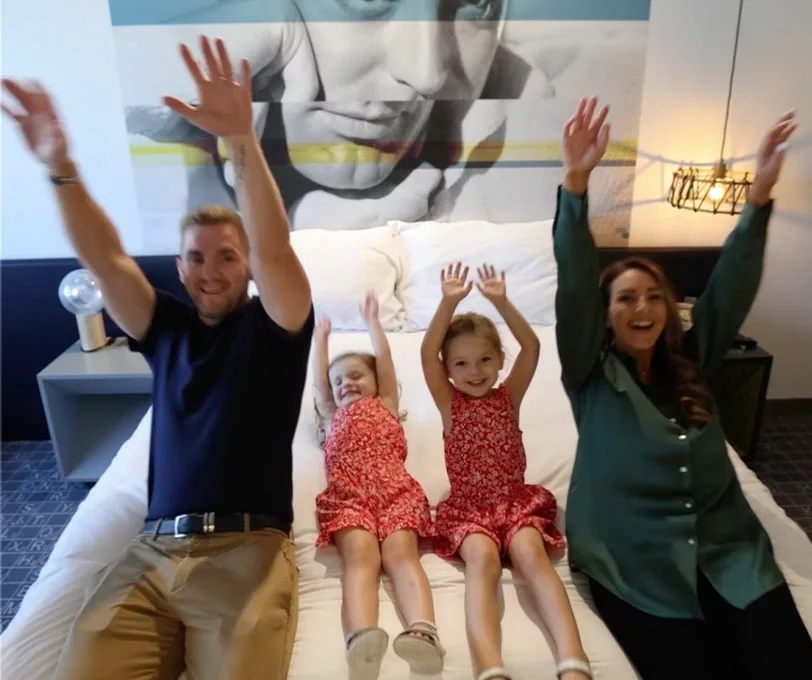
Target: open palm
[(322, 328), (453, 282), (772, 150), (491, 285), (38, 122), (585, 137), (224, 107), (369, 308)]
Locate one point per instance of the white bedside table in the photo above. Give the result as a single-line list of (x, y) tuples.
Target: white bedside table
[(93, 402)]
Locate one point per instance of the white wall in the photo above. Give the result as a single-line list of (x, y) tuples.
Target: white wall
[(68, 46), (690, 47), (684, 96)]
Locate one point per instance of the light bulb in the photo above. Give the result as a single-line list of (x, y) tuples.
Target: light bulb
[(717, 192), (80, 294)]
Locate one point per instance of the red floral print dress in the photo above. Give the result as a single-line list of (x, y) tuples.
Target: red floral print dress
[(368, 486), (485, 461)]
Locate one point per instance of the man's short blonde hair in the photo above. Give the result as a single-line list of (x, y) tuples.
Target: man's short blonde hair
[(209, 215)]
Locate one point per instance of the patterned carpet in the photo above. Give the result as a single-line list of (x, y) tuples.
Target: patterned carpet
[(37, 504)]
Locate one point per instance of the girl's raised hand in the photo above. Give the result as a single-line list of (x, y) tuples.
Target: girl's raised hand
[(491, 286), (369, 308), (322, 328), (453, 282)]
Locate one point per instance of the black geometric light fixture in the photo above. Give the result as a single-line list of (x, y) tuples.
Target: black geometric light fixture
[(719, 190)]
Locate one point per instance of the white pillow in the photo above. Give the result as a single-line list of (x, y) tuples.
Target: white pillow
[(524, 251), (343, 266)]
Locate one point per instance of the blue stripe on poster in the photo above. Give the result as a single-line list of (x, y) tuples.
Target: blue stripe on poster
[(162, 12), (579, 10)]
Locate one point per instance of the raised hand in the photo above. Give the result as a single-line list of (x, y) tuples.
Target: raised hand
[(369, 309), (322, 328), (491, 286), (586, 137), (224, 107), (770, 158), (39, 123), (453, 282)]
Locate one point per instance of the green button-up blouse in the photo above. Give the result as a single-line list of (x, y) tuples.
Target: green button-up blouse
[(651, 500)]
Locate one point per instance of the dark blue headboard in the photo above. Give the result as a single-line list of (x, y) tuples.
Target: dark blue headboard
[(36, 328)]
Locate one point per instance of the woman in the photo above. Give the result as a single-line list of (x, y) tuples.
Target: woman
[(680, 568)]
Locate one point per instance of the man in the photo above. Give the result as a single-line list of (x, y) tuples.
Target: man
[(210, 585)]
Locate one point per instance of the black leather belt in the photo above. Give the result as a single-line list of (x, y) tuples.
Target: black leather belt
[(200, 524)]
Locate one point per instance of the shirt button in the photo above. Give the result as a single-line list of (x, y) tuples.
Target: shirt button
[(691, 541), (683, 436), (689, 505), (683, 469)]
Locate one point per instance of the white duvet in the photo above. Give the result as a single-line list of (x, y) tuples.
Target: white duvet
[(113, 511)]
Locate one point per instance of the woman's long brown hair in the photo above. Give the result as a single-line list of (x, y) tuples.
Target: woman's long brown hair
[(670, 368)]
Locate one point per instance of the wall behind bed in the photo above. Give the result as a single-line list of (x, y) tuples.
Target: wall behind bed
[(467, 103), (665, 77), (454, 108), (36, 328), (686, 84)]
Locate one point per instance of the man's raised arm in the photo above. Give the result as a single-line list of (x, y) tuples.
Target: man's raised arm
[(128, 296), (224, 110)]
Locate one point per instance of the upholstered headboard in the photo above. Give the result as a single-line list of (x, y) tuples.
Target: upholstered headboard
[(36, 329), (688, 269)]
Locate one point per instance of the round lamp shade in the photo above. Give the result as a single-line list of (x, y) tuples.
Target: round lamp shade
[(80, 294)]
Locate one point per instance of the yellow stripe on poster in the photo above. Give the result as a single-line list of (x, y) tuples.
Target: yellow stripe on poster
[(525, 153)]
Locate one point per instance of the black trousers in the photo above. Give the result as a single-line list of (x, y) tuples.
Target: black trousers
[(766, 640)]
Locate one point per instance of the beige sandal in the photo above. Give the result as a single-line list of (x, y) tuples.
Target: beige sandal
[(493, 673), (576, 665), (419, 645), (365, 651)]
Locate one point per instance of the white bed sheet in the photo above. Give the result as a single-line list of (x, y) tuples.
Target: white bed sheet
[(111, 515)]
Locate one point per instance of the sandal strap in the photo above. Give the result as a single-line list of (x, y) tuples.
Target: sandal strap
[(491, 673), (426, 628), (576, 665), (423, 625), (352, 637)]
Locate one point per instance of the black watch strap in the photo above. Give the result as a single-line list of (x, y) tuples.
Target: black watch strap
[(63, 180)]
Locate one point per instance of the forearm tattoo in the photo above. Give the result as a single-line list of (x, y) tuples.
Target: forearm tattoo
[(239, 165)]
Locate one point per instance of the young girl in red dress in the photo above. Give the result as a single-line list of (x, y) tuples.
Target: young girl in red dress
[(372, 509), (491, 513)]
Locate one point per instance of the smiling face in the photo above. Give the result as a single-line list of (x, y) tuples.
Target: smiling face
[(378, 96), (473, 363), (214, 268), (638, 311), (352, 377)]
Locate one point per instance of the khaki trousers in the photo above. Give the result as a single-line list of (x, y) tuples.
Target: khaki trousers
[(221, 607)]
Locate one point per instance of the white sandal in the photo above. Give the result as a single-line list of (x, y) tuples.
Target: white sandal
[(576, 665), (419, 645), (492, 673), (365, 652)]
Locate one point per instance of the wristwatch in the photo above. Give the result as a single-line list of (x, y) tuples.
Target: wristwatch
[(63, 180)]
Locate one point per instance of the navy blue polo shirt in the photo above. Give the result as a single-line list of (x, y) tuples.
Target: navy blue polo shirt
[(226, 402)]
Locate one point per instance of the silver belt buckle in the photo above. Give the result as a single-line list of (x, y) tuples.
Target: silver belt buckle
[(177, 533)]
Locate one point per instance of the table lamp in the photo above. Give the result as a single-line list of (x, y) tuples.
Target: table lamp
[(80, 294)]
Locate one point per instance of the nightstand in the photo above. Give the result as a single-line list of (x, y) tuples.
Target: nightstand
[(93, 402), (740, 390)]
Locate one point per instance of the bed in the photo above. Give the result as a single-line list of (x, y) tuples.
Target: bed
[(112, 513)]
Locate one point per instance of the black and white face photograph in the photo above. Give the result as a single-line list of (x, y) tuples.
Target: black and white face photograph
[(373, 111)]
